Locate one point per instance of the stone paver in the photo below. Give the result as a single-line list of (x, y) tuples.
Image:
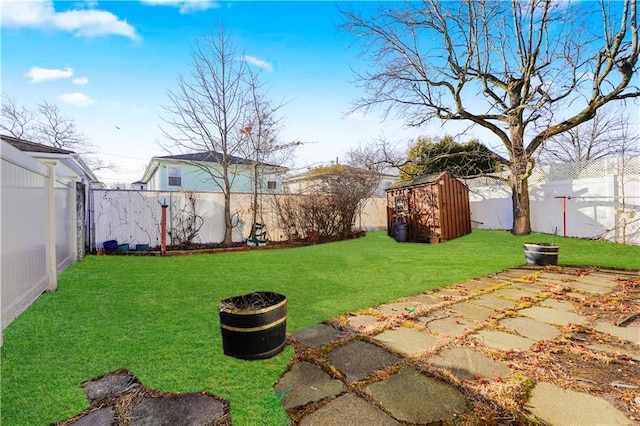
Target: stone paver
[(566, 407), (471, 311), (503, 341), (597, 280), (473, 286), (177, 410), (363, 323), (317, 335), (305, 383), (450, 325), (349, 410), (513, 293), (109, 386), (588, 288), (561, 305), (467, 364), (397, 308), (552, 316), (408, 341), (415, 398), (528, 327), (630, 333), (626, 350), (101, 417), (494, 302), (424, 300), (358, 359)]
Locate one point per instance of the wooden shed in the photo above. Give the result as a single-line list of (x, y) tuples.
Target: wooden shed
[(431, 206)]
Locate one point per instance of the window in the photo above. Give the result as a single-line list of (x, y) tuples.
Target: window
[(400, 205), (175, 175), (271, 184)]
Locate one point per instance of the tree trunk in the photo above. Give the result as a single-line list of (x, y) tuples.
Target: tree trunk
[(520, 199), (228, 231)]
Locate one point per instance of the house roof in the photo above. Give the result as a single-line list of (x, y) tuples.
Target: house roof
[(416, 181), (212, 157), (70, 159), (28, 146), (311, 174), (198, 157)]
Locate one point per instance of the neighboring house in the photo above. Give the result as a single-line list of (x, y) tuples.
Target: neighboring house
[(139, 185), (298, 184), (201, 171)]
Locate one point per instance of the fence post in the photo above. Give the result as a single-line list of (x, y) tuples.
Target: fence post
[(52, 267), (163, 228)]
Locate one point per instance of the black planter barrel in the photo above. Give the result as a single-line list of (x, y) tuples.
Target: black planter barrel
[(541, 254), (254, 326)]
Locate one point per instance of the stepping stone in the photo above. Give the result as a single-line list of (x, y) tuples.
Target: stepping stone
[(513, 293), (101, 417), (493, 302), (560, 305), (358, 359), (449, 326), (552, 316), (564, 278), (598, 280), (412, 397), (348, 410), (627, 350), (533, 288), (305, 383), (448, 293), (471, 311), (528, 327), (475, 286), (109, 386), (317, 335), (408, 341), (363, 322), (424, 299), (559, 406), (589, 288), (178, 410), (398, 308), (503, 341), (515, 274), (630, 333), (467, 364)]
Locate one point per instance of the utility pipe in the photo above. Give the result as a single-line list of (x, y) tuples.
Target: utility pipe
[(163, 228), (564, 212)]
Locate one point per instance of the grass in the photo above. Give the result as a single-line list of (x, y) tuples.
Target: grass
[(158, 317)]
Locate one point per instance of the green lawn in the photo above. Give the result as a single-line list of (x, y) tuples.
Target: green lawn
[(158, 318)]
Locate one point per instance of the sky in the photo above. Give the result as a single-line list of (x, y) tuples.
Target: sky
[(109, 65)]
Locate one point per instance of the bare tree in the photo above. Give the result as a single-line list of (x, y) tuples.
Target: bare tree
[(524, 70), (47, 125), (607, 134), (262, 145), (208, 112), (16, 121)]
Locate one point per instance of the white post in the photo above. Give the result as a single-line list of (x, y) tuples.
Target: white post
[(52, 268), (73, 201)]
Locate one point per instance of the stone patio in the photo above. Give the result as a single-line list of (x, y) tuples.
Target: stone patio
[(428, 358)]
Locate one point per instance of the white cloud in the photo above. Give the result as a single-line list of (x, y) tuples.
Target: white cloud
[(78, 99), (81, 22), (357, 116), (185, 6), (38, 75), (80, 80), (258, 62)]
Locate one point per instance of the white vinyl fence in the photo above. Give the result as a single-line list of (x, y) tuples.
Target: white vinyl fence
[(581, 205), (39, 229), (133, 217)]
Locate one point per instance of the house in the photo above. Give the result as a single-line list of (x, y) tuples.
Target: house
[(202, 171), (298, 184), (431, 206)]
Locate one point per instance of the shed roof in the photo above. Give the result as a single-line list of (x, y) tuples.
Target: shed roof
[(417, 181)]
